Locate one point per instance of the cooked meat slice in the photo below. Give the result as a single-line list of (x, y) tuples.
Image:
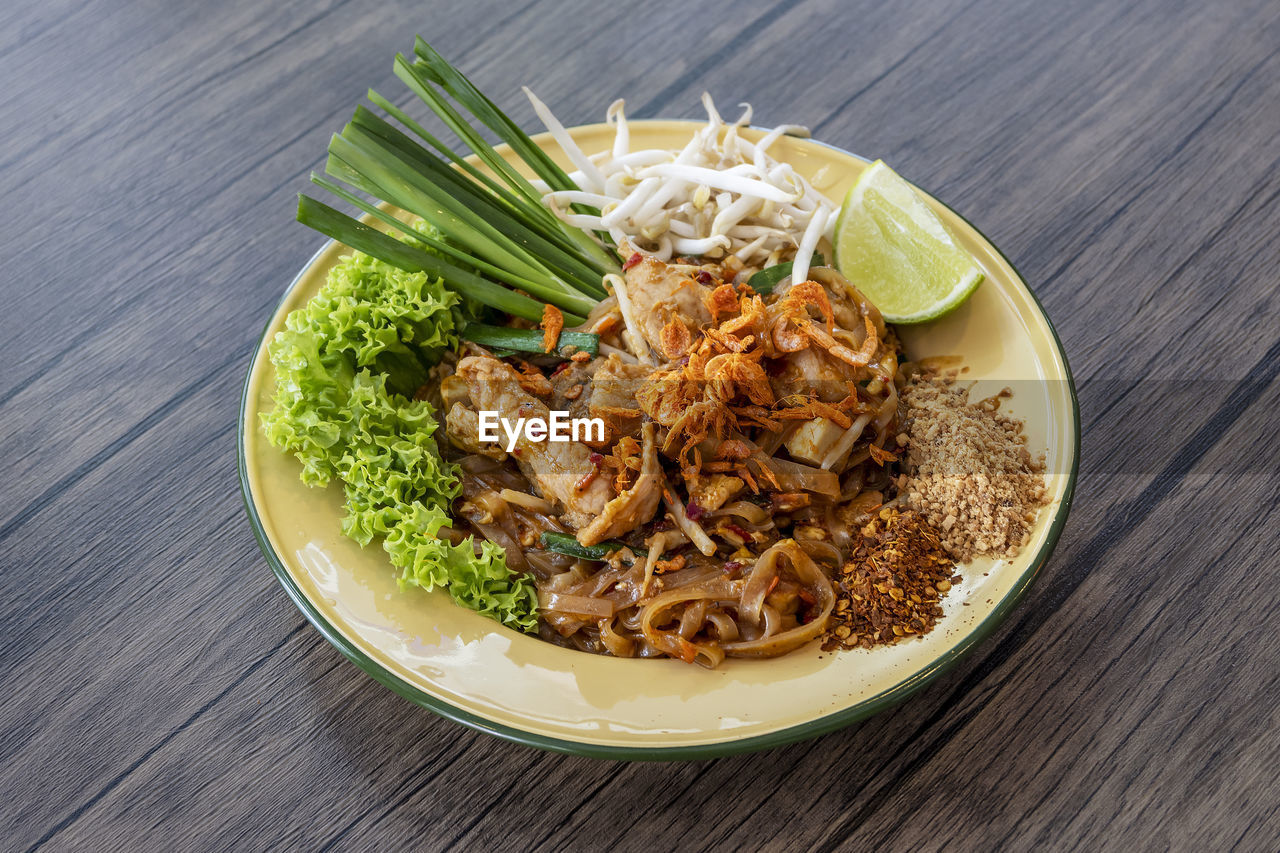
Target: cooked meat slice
[(613, 395), (571, 388), (636, 505), (662, 292), (462, 425), (562, 472)]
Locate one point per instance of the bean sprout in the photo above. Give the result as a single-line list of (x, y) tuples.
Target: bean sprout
[(720, 195), (635, 340), (809, 242)]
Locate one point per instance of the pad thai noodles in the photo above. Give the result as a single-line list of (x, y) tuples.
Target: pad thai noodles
[(748, 437), (743, 397)]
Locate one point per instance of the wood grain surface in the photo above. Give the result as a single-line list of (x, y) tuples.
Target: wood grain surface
[(160, 692)]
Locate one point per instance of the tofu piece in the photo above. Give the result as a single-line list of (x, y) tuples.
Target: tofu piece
[(813, 440), (712, 492)]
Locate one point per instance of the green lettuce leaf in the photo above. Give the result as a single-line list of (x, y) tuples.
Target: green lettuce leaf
[(347, 367), (393, 322)]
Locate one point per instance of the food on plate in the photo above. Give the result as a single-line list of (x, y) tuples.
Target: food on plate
[(627, 407), (719, 196)]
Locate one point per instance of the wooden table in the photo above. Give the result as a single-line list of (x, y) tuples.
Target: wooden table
[(161, 692)]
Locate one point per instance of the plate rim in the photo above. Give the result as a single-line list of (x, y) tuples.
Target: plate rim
[(791, 734)]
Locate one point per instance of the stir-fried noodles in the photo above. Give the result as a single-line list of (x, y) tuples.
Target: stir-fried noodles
[(748, 436)]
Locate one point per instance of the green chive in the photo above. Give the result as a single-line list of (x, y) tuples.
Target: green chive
[(563, 543), (527, 340)]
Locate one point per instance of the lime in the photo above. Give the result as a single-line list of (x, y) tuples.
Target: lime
[(891, 245)]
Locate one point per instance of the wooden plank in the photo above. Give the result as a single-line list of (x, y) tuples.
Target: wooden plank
[(112, 642), (158, 689), (234, 242), (160, 188)]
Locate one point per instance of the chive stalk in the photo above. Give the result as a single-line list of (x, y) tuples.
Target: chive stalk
[(362, 238), (501, 246), (527, 340), (767, 279), (438, 245), (563, 543)]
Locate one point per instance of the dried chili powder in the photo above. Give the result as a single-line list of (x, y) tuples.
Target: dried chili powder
[(892, 586)]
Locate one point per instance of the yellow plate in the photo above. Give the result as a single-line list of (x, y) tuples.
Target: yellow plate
[(468, 668)]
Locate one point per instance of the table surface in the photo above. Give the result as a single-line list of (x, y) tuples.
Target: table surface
[(158, 687)]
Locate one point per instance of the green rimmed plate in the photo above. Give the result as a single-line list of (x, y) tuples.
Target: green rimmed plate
[(471, 670)]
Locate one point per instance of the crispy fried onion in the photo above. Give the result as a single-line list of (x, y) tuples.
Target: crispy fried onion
[(737, 374), (810, 408), (751, 320), (624, 462), (533, 380), (794, 330), (552, 324), (719, 384), (722, 300), (676, 339), (882, 456), (705, 397), (674, 398)]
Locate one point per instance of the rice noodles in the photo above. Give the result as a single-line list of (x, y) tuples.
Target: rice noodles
[(749, 437)]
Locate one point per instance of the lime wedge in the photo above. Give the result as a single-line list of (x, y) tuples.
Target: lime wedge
[(891, 245)]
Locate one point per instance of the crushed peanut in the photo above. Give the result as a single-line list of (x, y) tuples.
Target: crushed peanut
[(969, 472)]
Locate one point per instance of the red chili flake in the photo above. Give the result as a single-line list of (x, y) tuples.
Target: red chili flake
[(694, 511), (738, 530), (595, 459), (586, 479), (704, 277), (633, 260), (561, 368), (892, 585), (732, 565)]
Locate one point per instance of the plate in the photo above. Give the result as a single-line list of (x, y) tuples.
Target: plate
[(472, 670)]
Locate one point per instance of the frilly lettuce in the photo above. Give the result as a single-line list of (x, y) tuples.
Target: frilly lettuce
[(347, 366)]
